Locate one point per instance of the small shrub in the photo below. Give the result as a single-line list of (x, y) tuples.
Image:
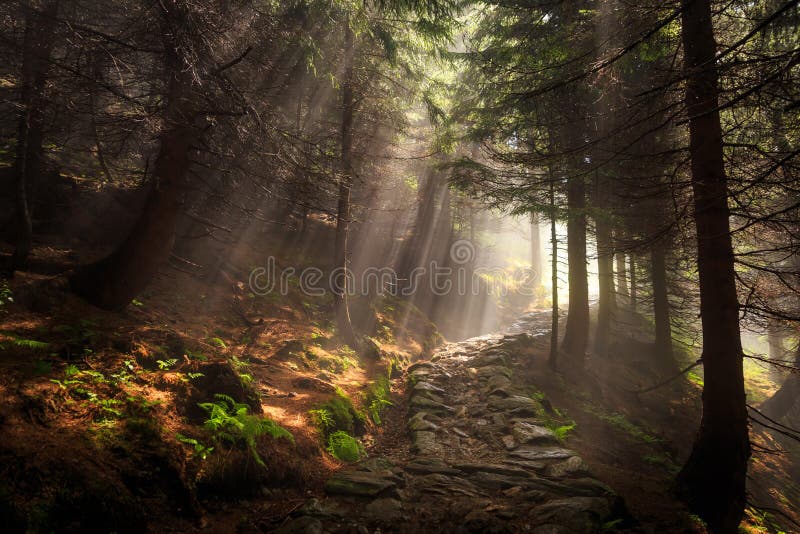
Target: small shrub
[(230, 421), (164, 365), (199, 450), (561, 432), (377, 399), (345, 447), (22, 343)]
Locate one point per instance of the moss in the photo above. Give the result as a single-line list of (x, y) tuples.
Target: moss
[(345, 447), (338, 413)]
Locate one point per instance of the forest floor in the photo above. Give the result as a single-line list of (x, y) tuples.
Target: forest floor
[(101, 428)]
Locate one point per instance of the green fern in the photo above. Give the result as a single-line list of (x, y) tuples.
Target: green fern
[(377, 399), (230, 421), (561, 432), (322, 419), (166, 364), (29, 344), (200, 450)]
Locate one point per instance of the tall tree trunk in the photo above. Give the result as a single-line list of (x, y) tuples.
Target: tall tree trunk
[(343, 212), (29, 162), (417, 245), (622, 276), (606, 305), (114, 281), (553, 359), (634, 291), (713, 479), (536, 252), (661, 310), (576, 332)]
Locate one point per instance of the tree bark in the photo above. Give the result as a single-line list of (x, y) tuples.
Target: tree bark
[(606, 305), (552, 361), (634, 291), (114, 281), (576, 332), (417, 245), (661, 311), (622, 276), (713, 479), (536, 252), (29, 161), (343, 212)]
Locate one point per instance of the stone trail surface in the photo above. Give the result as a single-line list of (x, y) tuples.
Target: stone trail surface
[(481, 458)]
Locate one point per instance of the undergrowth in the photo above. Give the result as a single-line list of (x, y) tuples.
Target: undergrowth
[(338, 420), (345, 447), (230, 421), (377, 398)]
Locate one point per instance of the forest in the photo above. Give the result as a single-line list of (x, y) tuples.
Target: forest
[(377, 266)]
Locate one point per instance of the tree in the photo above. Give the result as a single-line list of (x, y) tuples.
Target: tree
[(116, 279), (713, 479), (29, 162)]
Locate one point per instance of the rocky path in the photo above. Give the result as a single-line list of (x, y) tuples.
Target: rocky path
[(482, 457)]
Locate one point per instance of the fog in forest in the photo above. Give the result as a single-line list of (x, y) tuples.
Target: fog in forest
[(399, 266)]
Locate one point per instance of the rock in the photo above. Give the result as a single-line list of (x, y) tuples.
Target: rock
[(496, 481), (492, 468), (515, 404), (487, 360), (428, 466), (526, 464), (571, 466), (528, 433), (420, 366), (444, 485), (497, 382), (425, 394), (358, 483), (427, 386), (542, 453), (324, 509), (489, 371), (459, 432), (508, 442), (424, 442), (418, 422), (384, 509), (589, 487), (423, 403)]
